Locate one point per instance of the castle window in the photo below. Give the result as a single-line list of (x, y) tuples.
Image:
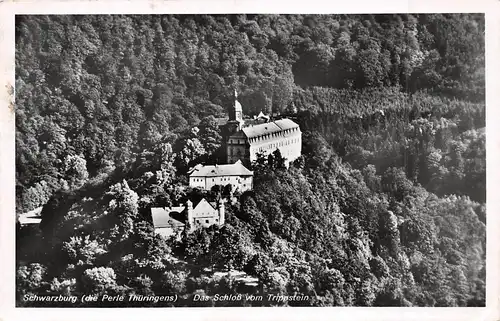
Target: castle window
[(206, 221)]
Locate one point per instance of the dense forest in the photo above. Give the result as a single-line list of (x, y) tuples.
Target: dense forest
[(386, 207)]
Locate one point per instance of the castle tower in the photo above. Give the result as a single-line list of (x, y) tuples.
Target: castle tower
[(235, 115), (189, 210), (236, 111)]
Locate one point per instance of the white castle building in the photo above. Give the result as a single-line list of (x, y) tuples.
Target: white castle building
[(247, 138)]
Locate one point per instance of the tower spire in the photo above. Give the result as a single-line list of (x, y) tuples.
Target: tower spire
[(235, 114)]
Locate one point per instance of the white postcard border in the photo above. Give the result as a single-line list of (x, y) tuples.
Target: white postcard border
[(8, 9)]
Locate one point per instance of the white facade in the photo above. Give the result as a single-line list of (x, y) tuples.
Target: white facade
[(242, 183), (290, 145), (206, 177), (204, 215)]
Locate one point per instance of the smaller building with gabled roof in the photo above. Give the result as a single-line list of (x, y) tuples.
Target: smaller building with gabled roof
[(207, 176), (171, 221)]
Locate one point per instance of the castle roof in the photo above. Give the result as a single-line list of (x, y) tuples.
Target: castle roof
[(269, 128), (203, 203), (236, 169)]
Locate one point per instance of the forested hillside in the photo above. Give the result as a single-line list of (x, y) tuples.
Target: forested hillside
[(385, 208)]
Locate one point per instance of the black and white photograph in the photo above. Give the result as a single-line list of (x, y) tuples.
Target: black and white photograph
[(250, 160)]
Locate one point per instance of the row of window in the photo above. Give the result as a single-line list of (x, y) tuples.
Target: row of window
[(273, 135), (280, 144), (207, 214), (238, 181), (223, 179), (258, 138), (206, 221)]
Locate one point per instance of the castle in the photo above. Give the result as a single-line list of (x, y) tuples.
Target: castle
[(247, 139), (171, 221)]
